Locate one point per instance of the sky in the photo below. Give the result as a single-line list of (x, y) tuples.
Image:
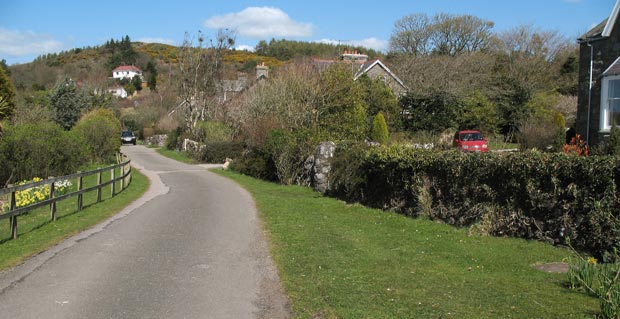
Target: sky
[(29, 28)]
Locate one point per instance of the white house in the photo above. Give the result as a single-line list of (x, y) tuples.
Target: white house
[(118, 91), (126, 72)]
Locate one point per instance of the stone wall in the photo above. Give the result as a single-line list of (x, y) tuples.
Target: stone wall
[(319, 166), (159, 140)]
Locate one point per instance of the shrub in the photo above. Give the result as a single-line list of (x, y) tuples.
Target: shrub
[(174, 139), (257, 164), (212, 132), (100, 131), (41, 149), (542, 134), (147, 132), (289, 152), (218, 152), (379, 131)]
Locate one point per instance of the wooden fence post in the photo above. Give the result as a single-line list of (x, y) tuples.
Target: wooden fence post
[(122, 176), (99, 187), (80, 200), (53, 203), (112, 179), (13, 219)]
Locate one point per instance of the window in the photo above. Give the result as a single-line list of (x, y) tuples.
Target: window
[(610, 102)]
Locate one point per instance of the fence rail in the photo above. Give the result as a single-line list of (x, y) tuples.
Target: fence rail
[(14, 211)]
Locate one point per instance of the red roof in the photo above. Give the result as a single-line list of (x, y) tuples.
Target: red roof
[(127, 68)]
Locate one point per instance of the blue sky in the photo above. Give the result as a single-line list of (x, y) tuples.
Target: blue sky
[(29, 28)]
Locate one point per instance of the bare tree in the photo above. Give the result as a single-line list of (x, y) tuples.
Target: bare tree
[(456, 34), (201, 67), (411, 35), (527, 41)]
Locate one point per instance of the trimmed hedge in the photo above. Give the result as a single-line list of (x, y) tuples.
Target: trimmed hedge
[(551, 197)]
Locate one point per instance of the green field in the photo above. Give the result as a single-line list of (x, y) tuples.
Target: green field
[(36, 232), (338, 260)]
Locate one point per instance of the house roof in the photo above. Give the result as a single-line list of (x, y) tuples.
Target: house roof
[(127, 68), (603, 29), (364, 68)]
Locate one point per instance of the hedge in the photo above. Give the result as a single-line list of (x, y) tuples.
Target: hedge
[(544, 196)]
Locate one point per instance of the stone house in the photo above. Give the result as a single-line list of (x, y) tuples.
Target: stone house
[(599, 79), (360, 65)]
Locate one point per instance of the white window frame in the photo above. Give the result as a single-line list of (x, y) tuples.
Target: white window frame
[(604, 114)]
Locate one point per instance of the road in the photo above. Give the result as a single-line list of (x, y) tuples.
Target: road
[(192, 247)]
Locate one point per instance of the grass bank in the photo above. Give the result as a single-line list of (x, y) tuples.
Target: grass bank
[(176, 155), (36, 233), (346, 261)]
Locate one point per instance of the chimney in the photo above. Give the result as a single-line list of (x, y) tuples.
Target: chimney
[(262, 71)]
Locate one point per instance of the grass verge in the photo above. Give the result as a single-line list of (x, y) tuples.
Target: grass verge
[(36, 233), (346, 261), (176, 155)]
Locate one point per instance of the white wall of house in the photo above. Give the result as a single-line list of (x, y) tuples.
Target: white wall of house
[(125, 74)]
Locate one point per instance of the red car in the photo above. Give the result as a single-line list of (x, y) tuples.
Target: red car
[(470, 141)]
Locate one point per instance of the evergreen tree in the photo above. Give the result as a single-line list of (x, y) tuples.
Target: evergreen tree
[(68, 103), (151, 77), (379, 131), (136, 81)]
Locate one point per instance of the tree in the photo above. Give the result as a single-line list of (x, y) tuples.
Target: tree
[(201, 71), (7, 96), (477, 112), (136, 82), (457, 34), (5, 66), (379, 131), (433, 112), (342, 111), (151, 78), (68, 103), (380, 98), (411, 35)]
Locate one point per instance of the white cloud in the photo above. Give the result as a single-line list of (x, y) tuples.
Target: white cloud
[(260, 23), (243, 47), (156, 40), (19, 43), (371, 43)]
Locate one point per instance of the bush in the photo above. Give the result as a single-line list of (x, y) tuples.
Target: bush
[(212, 132), (379, 131), (218, 152), (41, 149), (289, 152), (257, 164), (544, 134), (550, 197), (175, 139), (100, 131)]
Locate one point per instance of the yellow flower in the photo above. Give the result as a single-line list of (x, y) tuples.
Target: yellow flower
[(592, 261)]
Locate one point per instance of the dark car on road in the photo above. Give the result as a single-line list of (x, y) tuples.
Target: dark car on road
[(470, 141), (127, 137)]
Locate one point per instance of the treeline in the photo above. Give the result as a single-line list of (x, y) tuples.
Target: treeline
[(287, 49)]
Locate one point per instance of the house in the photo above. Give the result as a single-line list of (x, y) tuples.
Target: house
[(599, 79), (118, 91), (126, 72), (360, 65), (231, 88)]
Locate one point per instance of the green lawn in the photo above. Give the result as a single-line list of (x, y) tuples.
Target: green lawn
[(346, 261), (176, 155), (36, 233)]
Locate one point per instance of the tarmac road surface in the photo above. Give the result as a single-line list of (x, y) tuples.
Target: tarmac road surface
[(192, 247)]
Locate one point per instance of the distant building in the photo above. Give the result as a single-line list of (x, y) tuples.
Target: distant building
[(126, 72), (599, 79), (118, 92), (375, 69)]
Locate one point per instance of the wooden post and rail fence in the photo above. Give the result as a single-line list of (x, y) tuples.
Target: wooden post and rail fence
[(14, 211)]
